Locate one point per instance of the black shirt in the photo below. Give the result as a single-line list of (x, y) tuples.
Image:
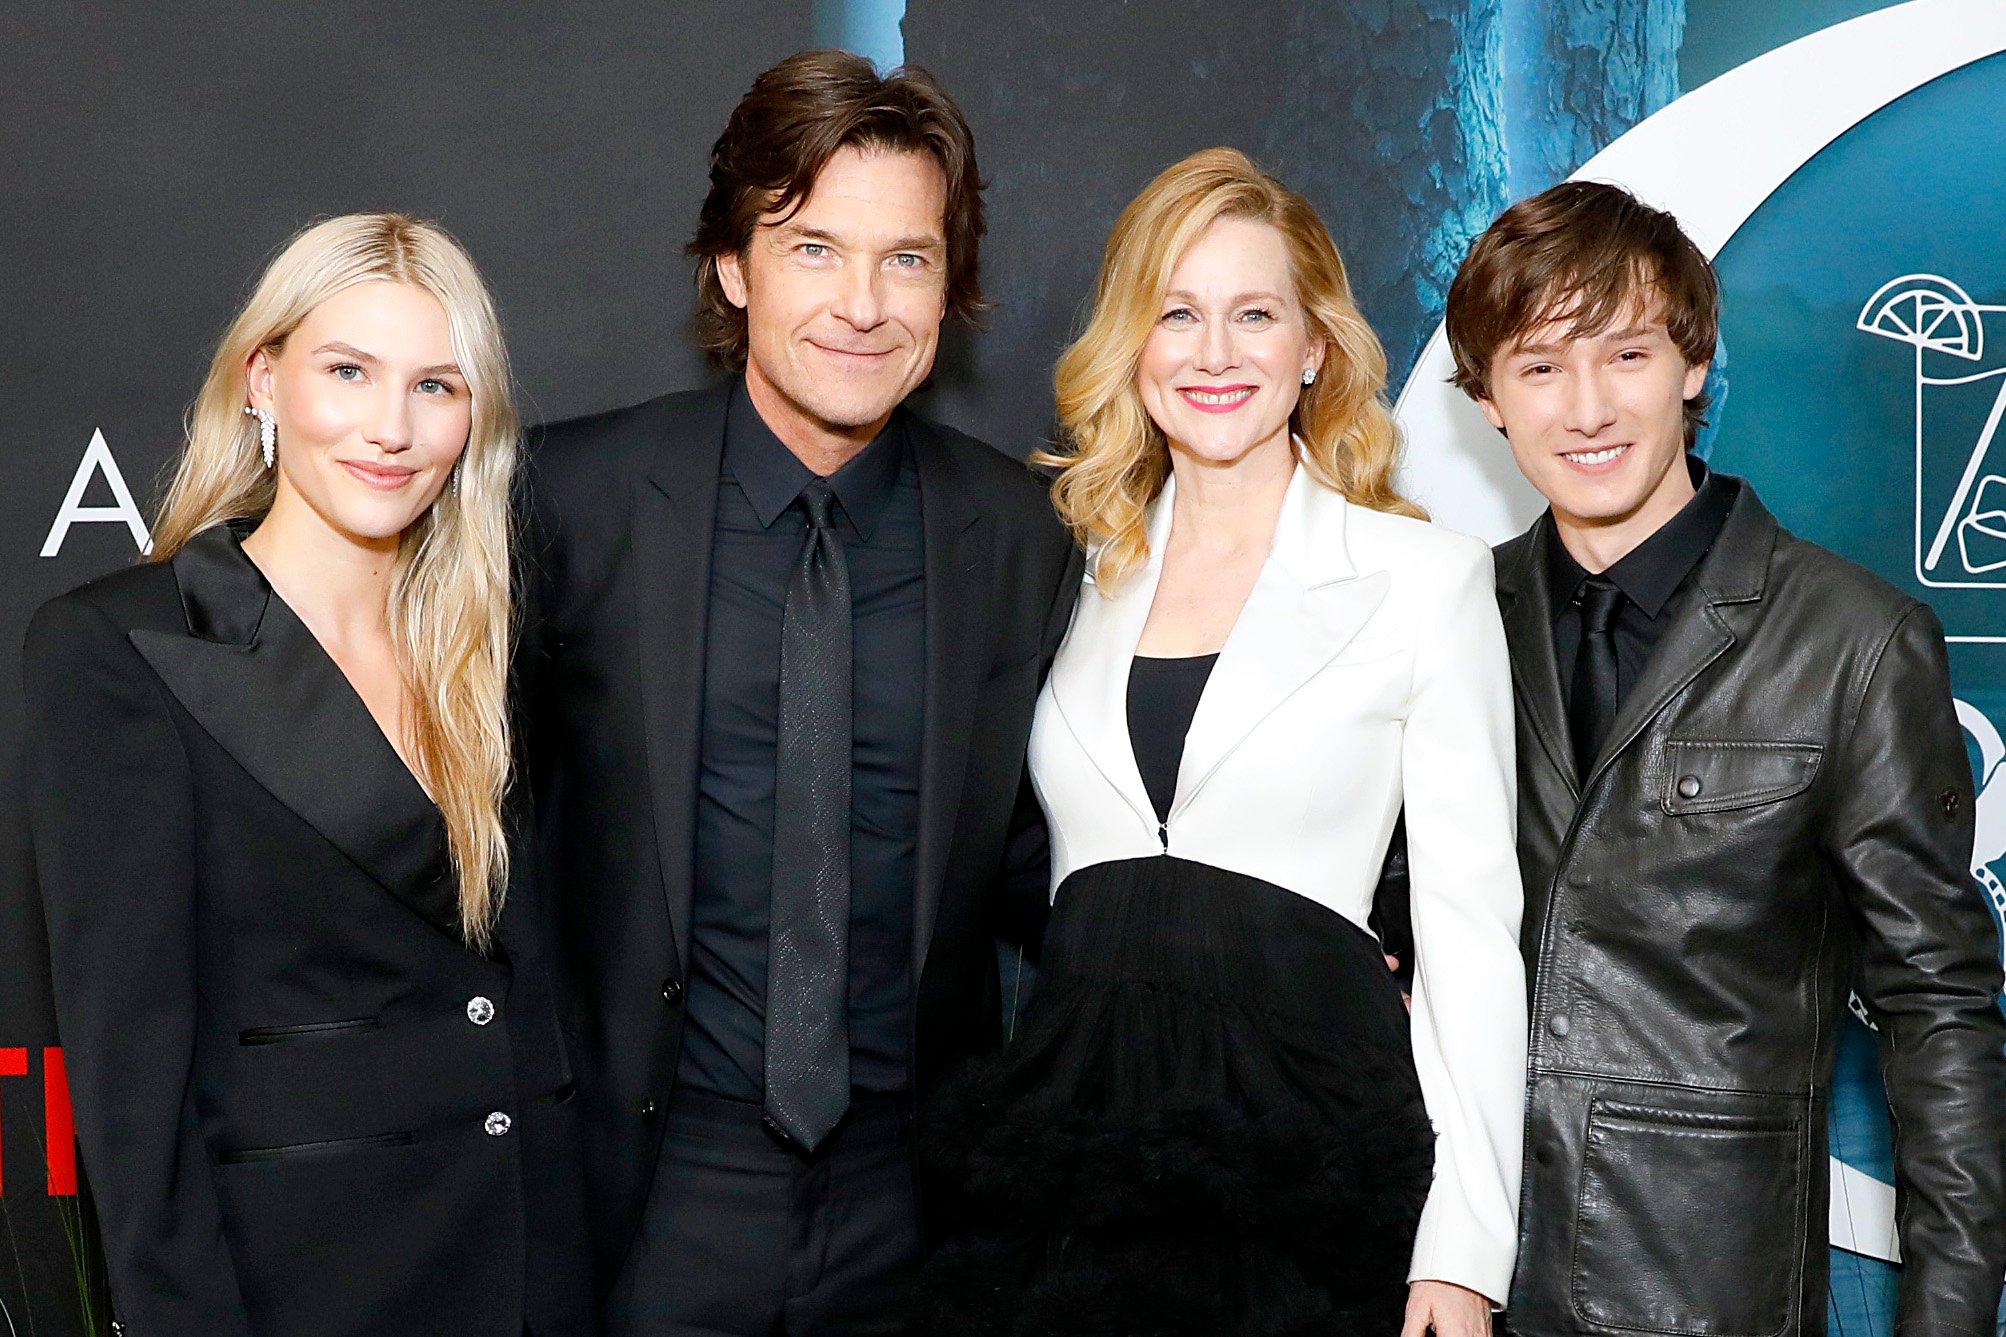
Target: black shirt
[(1654, 577), (760, 528), (1162, 698)]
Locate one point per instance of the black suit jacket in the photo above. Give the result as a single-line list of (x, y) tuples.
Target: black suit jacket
[(1783, 807), (283, 1090), (621, 511)]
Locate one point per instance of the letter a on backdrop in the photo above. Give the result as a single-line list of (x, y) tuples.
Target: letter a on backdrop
[(97, 459)]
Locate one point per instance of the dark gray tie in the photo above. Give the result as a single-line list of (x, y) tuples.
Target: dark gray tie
[(808, 955), (1592, 702)]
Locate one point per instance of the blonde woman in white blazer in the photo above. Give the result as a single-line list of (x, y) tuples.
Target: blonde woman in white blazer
[(1216, 1115)]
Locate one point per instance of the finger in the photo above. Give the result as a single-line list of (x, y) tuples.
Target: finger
[(1417, 1317)]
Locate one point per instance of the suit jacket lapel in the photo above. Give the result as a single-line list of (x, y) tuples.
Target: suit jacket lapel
[(1090, 675), (253, 676), (956, 544), (1306, 606), (675, 512), (1528, 622)]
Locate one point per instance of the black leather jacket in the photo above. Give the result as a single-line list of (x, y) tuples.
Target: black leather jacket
[(1784, 806)]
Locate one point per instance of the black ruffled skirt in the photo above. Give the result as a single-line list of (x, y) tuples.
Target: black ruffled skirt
[(1208, 1123)]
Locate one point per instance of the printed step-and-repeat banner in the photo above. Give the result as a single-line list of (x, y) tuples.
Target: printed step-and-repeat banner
[(1843, 159)]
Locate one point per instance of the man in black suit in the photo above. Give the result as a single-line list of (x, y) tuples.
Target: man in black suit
[(782, 646)]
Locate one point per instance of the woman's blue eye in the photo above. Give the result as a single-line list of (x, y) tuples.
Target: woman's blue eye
[(1259, 314), (433, 386), (1180, 315), (344, 370)]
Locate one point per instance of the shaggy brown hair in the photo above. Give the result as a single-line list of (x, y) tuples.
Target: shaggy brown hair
[(796, 117), (1588, 254)]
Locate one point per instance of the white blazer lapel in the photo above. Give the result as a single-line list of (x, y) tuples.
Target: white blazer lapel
[(1305, 607), (1090, 674)]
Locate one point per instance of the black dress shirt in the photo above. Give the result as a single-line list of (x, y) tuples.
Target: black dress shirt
[(1654, 577), (760, 526)]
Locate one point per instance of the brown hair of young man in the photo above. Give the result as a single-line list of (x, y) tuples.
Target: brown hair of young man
[(781, 135), (1586, 254)]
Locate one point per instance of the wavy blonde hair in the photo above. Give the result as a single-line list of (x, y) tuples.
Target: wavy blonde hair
[(1113, 458), (449, 608)]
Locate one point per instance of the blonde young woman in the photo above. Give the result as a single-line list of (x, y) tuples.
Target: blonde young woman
[(1216, 1115), (317, 1078)]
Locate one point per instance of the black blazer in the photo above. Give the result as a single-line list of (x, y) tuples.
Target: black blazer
[(622, 507), (290, 1105)]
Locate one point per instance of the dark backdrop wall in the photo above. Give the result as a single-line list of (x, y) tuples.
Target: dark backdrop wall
[(153, 157)]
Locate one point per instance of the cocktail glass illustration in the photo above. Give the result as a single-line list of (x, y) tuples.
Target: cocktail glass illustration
[(1946, 328)]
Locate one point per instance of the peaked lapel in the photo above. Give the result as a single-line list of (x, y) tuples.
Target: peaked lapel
[(1734, 571), (1090, 675), (1528, 622), (253, 676), (1307, 604), (670, 529), (956, 544)]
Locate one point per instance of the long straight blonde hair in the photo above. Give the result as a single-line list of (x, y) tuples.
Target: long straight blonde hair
[(1113, 458), (449, 606)]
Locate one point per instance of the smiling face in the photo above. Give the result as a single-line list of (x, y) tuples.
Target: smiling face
[(843, 298), (371, 408), (1222, 369), (1597, 424)]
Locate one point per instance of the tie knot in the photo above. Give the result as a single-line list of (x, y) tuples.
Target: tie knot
[(1599, 601), (820, 503)]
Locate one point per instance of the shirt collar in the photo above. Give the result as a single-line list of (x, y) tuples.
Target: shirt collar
[(772, 476), (1650, 573)]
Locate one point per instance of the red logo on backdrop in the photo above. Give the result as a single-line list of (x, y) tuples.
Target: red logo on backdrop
[(59, 1128)]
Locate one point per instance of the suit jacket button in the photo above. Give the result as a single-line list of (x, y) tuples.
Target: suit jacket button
[(1558, 1025), (649, 1109), (497, 1124), (672, 991), (1690, 786), (480, 1010)]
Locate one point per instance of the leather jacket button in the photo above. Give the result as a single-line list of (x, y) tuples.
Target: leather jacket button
[(497, 1124), (649, 1109), (1579, 880), (480, 1010), (1690, 786), (1544, 1155), (1948, 802), (1558, 1025), (672, 991)]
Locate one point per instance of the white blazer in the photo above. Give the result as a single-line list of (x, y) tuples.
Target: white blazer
[(1366, 671)]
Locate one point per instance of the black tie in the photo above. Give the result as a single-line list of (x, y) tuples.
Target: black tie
[(808, 956), (1591, 706)]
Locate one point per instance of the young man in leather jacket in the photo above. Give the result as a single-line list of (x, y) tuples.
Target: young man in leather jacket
[(1743, 789)]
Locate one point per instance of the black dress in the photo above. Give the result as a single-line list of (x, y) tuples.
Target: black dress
[(1209, 1121)]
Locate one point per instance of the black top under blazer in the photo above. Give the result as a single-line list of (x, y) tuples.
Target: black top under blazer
[(295, 1118), (611, 662)]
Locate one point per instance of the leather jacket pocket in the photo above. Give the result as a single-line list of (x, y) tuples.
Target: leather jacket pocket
[(1708, 775), (1689, 1222)]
